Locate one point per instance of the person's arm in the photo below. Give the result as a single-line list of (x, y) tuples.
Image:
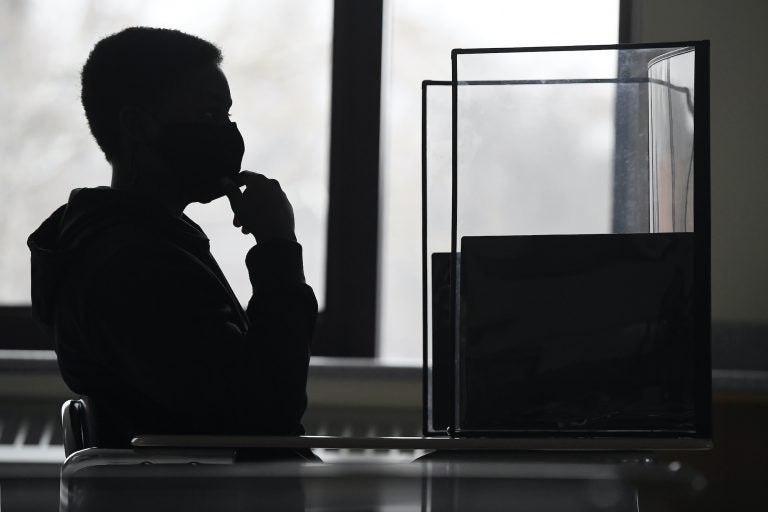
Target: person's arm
[(283, 308), (172, 335)]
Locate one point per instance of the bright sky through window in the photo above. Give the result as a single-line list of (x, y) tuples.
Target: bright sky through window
[(419, 36)]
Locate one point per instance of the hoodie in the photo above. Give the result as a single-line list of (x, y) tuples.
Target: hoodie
[(145, 324)]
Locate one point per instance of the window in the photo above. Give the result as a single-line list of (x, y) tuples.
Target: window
[(277, 56), (418, 42), (277, 59)]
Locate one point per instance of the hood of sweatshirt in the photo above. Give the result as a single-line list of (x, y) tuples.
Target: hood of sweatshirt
[(59, 245)]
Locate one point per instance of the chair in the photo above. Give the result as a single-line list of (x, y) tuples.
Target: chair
[(81, 431), (79, 425)]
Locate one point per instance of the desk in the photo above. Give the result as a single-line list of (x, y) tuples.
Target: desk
[(465, 444), (122, 480)]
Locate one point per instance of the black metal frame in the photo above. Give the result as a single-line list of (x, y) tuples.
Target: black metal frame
[(625, 21), (426, 306), (702, 233), (348, 324), (703, 229)]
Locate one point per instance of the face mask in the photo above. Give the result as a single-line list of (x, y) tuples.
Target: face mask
[(199, 155)]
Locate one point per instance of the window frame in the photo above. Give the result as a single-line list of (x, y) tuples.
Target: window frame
[(348, 325)]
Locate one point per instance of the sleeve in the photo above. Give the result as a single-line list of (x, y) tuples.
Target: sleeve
[(172, 335)]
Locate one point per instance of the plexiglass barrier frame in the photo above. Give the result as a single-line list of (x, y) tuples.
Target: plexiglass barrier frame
[(633, 217), (438, 373)]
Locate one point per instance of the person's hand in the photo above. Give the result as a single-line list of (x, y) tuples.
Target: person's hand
[(262, 209)]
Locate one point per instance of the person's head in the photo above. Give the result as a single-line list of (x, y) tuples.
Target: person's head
[(157, 104)]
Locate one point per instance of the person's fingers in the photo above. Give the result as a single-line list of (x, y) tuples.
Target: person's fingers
[(232, 192), (229, 186), (249, 178)]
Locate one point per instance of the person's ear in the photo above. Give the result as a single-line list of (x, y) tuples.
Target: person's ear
[(138, 125)]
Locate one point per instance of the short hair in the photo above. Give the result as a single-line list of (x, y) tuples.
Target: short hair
[(136, 67)]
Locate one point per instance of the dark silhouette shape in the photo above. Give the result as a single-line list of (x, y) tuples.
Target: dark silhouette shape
[(596, 342), (143, 320)]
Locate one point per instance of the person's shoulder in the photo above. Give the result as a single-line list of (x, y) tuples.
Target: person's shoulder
[(129, 253), (141, 268), (125, 240)]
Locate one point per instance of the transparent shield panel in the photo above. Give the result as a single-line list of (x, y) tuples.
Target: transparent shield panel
[(535, 159), (671, 141), (574, 217), (436, 204), (557, 142), (417, 41)]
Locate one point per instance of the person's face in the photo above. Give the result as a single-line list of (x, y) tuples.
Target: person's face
[(200, 96), (197, 143)]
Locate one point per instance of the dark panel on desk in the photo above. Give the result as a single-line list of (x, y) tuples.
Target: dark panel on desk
[(579, 333)]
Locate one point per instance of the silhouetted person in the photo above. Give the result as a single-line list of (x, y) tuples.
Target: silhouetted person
[(144, 321)]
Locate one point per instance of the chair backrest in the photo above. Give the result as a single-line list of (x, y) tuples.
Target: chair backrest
[(79, 425)]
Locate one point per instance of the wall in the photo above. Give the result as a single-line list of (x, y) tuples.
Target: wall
[(739, 135)]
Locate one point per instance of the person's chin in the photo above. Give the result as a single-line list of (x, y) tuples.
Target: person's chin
[(208, 194)]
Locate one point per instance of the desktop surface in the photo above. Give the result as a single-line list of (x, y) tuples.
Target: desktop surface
[(439, 481)]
